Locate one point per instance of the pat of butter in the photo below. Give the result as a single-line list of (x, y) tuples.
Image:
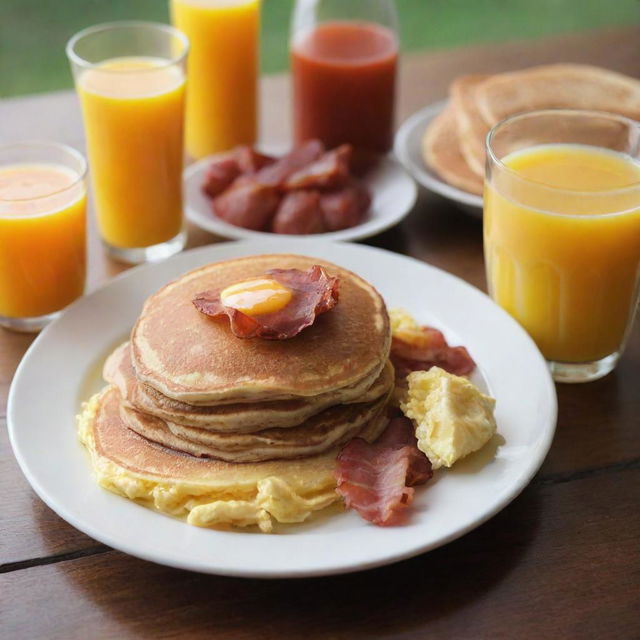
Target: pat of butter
[(452, 416), (256, 297)]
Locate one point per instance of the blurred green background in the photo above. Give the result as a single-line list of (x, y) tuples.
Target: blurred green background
[(33, 32)]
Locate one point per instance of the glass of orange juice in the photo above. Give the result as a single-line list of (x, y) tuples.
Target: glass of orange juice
[(223, 72), (130, 77), (562, 233), (42, 232)]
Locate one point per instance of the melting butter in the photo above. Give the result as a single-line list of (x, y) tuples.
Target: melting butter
[(256, 297)]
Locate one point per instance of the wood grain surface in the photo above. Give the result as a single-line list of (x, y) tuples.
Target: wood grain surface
[(562, 561)]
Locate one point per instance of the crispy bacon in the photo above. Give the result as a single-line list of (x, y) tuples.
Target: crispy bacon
[(431, 351), (299, 213), (314, 293), (330, 171), (377, 479)]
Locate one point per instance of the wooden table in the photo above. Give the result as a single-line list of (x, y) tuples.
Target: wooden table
[(562, 561)]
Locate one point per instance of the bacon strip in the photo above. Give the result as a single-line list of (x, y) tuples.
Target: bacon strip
[(432, 351), (377, 479), (314, 292)]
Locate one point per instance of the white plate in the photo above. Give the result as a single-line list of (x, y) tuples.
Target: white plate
[(408, 149), (60, 370), (393, 194)]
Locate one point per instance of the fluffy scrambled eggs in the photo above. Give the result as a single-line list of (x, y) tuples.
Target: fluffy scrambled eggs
[(452, 416)]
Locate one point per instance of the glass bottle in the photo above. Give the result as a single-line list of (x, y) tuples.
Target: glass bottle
[(344, 59)]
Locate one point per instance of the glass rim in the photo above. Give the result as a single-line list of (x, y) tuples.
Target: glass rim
[(50, 145), (633, 124), (79, 61)]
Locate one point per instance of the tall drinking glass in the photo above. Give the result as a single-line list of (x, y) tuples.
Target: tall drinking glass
[(130, 77), (344, 57), (223, 72), (42, 232), (562, 233)]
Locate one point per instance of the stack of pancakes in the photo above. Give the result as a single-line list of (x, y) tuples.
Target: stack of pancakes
[(189, 403), (454, 142)]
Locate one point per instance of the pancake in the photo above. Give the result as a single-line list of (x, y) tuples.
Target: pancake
[(236, 418), (209, 492), (192, 358), (441, 152), (326, 430)]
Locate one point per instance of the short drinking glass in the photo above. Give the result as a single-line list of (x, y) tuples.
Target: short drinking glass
[(562, 233)]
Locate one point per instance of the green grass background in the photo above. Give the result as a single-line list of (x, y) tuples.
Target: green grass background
[(33, 32)]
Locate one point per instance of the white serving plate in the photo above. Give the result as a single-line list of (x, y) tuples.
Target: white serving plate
[(393, 194), (408, 149), (61, 369)]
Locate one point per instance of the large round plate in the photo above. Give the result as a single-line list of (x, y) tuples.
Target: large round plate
[(408, 149), (393, 194), (62, 368)]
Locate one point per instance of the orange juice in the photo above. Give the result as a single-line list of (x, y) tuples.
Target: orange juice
[(133, 112), (223, 70), (42, 239), (566, 264)]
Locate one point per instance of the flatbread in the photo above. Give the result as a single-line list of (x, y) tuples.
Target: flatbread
[(471, 126), (573, 86), (441, 152)]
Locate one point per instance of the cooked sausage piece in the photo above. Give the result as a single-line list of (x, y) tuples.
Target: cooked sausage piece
[(299, 213), (330, 171), (250, 205), (276, 174), (345, 208), (249, 160), (220, 174)]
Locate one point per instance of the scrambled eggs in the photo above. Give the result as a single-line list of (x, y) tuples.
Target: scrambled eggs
[(205, 506), (451, 415)]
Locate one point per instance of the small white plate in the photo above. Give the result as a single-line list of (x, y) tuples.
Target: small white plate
[(62, 368), (408, 149), (393, 194)]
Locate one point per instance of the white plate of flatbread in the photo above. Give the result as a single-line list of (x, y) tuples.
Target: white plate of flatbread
[(443, 145)]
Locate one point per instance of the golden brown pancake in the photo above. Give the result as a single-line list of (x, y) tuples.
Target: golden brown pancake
[(193, 358), (326, 430), (441, 151), (209, 492), (236, 418), (471, 127)]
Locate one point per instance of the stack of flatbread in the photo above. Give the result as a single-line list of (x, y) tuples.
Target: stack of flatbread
[(453, 144)]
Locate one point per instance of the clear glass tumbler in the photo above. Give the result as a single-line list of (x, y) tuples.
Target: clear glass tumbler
[(42, 232), (130, 77), (562, 233)]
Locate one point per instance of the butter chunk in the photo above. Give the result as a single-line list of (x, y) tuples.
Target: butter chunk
[(452, 416)]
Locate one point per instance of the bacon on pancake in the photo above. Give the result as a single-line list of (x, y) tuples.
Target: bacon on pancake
[(314, 293), (299, 213), (431, 350), (377, 479), (330, 171)]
